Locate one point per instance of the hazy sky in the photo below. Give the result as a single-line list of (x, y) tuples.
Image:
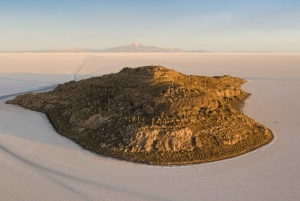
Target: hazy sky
[(215, 25)]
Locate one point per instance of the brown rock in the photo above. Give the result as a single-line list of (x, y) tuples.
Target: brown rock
[(153, 115)]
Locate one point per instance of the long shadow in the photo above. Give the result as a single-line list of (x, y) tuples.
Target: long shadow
[(36, 78), (19, 80), (40, 89), (52, 175), (47, 171)]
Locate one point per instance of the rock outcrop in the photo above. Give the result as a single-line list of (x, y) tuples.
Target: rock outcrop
[(153, 115)]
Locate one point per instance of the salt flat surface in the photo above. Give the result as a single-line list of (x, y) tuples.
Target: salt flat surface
[(38, 164)]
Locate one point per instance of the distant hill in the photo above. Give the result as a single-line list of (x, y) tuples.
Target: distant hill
[(133, 47), (200, 50), (139, 47), (70, 50), (75, 50), (250, 52)]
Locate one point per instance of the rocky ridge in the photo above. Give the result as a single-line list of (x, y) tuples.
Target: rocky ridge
[(153, 115)]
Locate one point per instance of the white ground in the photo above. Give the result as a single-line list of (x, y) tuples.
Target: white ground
[(38, 164)]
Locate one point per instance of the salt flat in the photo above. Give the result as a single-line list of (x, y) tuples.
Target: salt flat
[(38, 164)]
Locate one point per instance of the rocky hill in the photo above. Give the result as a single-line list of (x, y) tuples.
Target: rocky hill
[(153, 115)]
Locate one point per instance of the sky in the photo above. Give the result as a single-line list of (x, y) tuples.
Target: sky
[(213, 25)]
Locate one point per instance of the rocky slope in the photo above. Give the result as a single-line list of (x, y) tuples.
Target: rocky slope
[(153, 115)]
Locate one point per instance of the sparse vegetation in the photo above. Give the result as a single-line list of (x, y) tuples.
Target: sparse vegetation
[(153, 115)]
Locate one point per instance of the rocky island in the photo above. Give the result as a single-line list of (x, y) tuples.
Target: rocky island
[(153, 115)]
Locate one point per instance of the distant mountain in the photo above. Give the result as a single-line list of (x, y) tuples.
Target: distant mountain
[(133, 47), (250, 52), (200, 50), (70, 50), (75, 50), (139, 47)]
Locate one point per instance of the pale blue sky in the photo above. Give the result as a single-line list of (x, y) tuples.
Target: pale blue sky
[(215, 25)]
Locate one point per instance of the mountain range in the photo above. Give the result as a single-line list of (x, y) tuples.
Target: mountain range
[(133, 47), (139, 47)]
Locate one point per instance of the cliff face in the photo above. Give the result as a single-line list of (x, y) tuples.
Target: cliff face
[(153, 115)]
